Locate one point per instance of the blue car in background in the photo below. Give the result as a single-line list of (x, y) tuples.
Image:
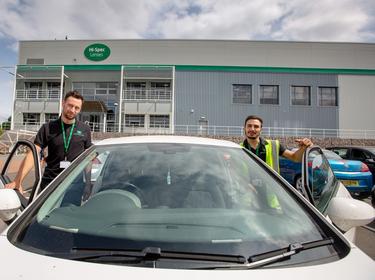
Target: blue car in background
[(354, 174)]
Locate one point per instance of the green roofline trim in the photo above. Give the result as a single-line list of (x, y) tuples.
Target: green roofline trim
[(117, 67), (275, 69)]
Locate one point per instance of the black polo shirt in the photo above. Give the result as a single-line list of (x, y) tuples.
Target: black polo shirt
[(50, 136), (261, 153)]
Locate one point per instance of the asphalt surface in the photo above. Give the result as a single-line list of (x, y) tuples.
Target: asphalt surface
[(365, 238)]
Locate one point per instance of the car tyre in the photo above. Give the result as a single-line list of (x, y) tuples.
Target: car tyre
[(298, 183)]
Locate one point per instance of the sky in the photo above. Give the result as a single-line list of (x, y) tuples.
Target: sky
[(285, 20)]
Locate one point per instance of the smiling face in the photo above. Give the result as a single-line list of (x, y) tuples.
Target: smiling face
[(71, 108), (253, 128)]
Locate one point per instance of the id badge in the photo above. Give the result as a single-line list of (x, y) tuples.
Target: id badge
[(64, 164)]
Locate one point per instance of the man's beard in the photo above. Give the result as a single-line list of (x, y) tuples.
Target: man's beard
[(67, 116)]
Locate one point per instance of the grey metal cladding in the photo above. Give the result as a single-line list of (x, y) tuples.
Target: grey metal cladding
[(209, 95)]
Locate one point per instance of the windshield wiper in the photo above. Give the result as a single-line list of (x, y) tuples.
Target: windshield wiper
[(147, 254), (282, 254)]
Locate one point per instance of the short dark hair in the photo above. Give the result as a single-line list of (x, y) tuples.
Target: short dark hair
[(74, 94), (254, 117)]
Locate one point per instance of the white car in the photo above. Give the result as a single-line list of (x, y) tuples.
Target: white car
[(172, 207)]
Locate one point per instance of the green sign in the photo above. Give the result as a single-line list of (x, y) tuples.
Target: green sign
[(97, 52)]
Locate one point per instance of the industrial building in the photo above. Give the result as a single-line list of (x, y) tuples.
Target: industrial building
[(169, 85)]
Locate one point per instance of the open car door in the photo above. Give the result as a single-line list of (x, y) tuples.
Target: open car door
[(329, 195), (10, 169)]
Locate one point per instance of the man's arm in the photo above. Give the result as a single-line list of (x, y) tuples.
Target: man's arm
[(25, 167), (297, 155)]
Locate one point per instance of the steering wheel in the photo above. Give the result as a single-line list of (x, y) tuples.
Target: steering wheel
[(126, 186)]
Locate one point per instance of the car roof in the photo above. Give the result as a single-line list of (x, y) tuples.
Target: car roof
[(356, 147), (167, 139)]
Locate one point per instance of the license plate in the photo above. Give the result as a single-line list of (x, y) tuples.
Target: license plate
[(350, 182)]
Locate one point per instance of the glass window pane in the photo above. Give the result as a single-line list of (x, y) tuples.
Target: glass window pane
[(301, 95), (269, 94), (51, 116), (327, 96), (178, 197), (242, 94), (134, 120), (87, 91), (31, 118), (77, 85), (101, 85), (159, 121), (322, 179), (101, 91)]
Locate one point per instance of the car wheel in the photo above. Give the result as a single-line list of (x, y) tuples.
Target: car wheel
[(298, 183)]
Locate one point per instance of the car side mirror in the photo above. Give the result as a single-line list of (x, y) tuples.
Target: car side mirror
[(347, 213), (9, 204)]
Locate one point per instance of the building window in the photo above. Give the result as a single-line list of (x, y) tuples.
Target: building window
[(269, 95), (53, 90), (160, 91), (31, 118), (51, 116), (327, 96), (242, 94), (33, 90), (135, 91), (99, 88), (134, 120), (159, 121), (301, 95)]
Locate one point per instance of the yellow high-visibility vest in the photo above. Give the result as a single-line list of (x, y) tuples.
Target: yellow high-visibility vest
[(272, 154), (272, 160)]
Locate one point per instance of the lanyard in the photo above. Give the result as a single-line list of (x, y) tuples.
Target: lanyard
[(66, 143)]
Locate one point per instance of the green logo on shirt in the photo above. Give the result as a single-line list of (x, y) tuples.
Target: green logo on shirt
[(78, 133)]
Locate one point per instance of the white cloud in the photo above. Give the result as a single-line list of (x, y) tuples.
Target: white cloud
[(349, 20), (220, 19), (324, 20)]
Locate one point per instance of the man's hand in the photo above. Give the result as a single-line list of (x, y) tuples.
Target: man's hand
[(304, 143), (13, 185)]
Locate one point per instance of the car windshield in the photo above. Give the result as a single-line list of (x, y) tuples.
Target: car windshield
[(177, 197)]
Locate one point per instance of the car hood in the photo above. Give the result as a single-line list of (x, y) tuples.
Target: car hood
[(21, 264), (345, 165)]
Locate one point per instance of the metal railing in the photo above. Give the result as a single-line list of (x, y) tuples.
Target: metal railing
[(32, 94), (216, 130), (149, 94), (9, 138)]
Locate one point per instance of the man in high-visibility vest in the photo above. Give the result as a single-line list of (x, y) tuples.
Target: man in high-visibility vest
[(270, 150)]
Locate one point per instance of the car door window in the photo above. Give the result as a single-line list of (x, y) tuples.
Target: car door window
[(11, 166), (342, 152), (320, 180), (358, 155)]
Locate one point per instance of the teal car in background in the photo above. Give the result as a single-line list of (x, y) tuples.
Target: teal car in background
[(354, 174)]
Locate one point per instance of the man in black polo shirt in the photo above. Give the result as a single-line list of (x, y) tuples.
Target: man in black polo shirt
[(66, 138)]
